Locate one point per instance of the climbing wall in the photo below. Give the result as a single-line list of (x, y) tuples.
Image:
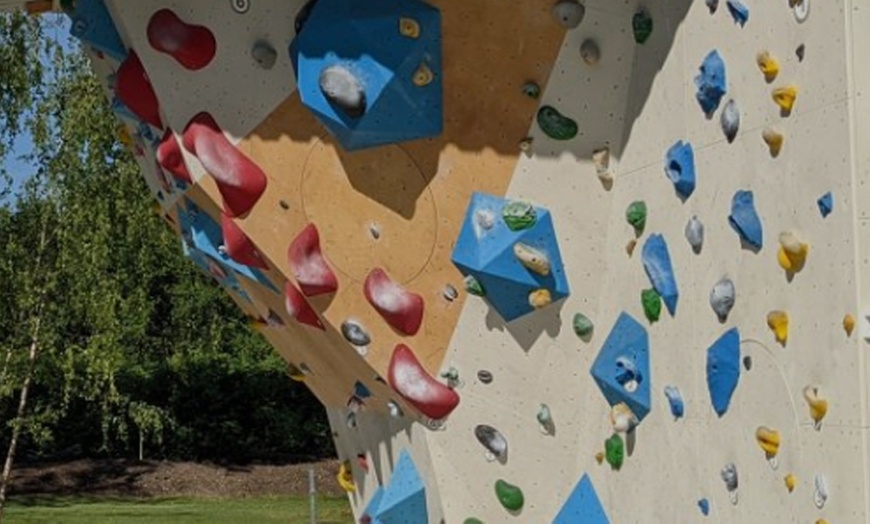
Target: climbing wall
[(558, 262)]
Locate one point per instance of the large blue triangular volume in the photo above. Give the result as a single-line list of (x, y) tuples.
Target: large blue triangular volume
[(486, 253), (92, 24), (362, 37), (623, 363), (582, 506), (723, 369), (204, 234), (404, 500)]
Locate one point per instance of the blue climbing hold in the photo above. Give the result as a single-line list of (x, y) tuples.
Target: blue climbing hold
[(92, 24), (404, 498), (739, 11), (583, 505), (675, 399), (680, 168), (744, 219), (366, 77), (485, 250), (360, 390), (711, 83), (723, 369), (621, 370), (704, 506), (657, 263), (826, 204)]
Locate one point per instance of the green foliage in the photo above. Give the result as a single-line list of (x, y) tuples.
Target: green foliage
[(133, 341)]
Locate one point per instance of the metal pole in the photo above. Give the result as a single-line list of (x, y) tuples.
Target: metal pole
[(312, 496)]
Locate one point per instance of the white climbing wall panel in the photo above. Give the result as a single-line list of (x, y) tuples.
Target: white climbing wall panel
[(639, 100)]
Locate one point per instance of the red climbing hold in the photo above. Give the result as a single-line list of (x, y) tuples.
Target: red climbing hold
[(135, 91), (310, 268), (170, 158), (299, 308), (240, 181), (238, 246), (401, 308), (408, 377), (193, 46)]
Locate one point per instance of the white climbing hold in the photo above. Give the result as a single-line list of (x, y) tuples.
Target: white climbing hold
[(622, 418), (730, 120), (569, 13), (590, 52), (729, 476), (695, 234), (722, 298), (264, 54), (801, 9), (484, 219), (820, 493)]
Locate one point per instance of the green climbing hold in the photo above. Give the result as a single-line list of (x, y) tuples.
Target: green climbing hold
[(510, 496), (614, 451), (474, 287), (472, 520), (652, 304), (642, 25), (556, 125), (532, 90), (582, 325), (636, 215), (519, 215)]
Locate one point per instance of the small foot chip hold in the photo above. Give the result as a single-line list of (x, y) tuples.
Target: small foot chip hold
[(790, 482), (635, 215), (722, 298), (704, 507), (641, 26), (569, 13), (545, 420), (423, 75), (449, 293), (792, 253), (629, 247), (400, 308), (695, 234), (652, 304), (712, 5), (484, 376), (739, 11), (614, 451), (601, 160), (826, 204), (769, 441), (509, 496), (264, 54), (774, 139), (583, 327), (820, 493), (785, 98), (590, 52), (556, 125), (849, 324), (777, 321), (532, 90), (729, 477), (493, 441), (818, 405), (408, 27), (729, 120), (532, 259), (768, 65), (675, 401)]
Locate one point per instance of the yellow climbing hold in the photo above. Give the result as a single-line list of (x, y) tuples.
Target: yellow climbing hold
[(785, 97), (790, 482), (622, 418), (533, 259), (408, 27), (818, 405), (849, 324), (792, 252), (124, 135), (774, 140), (423, 76), (345, 477), (778, 322), (768, 439), (768, 64), (540, 298)]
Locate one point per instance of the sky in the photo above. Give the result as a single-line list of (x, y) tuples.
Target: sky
[(58, 29)]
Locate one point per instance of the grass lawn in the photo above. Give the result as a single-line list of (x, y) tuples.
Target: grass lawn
[(248, 510)]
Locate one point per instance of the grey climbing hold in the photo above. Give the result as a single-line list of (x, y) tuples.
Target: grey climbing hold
[(730, 120), (264, 54), (695, 234), (801, 10), (569, 13), (739, 11), (722, 298), (355, 333), (744, 219), (711, 83), (484, 376), (820, 491), (449, 293), (712, 5), (532, 90), (590, 52), (800, 51), (492, 439), (343, 89), (729, 476)]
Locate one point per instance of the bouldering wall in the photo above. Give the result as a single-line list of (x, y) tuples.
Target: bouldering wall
[(558, 262)]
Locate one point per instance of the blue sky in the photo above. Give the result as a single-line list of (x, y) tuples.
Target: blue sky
[(58, 29)]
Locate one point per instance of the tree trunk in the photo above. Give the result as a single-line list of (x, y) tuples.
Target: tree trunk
[(20, 414)]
